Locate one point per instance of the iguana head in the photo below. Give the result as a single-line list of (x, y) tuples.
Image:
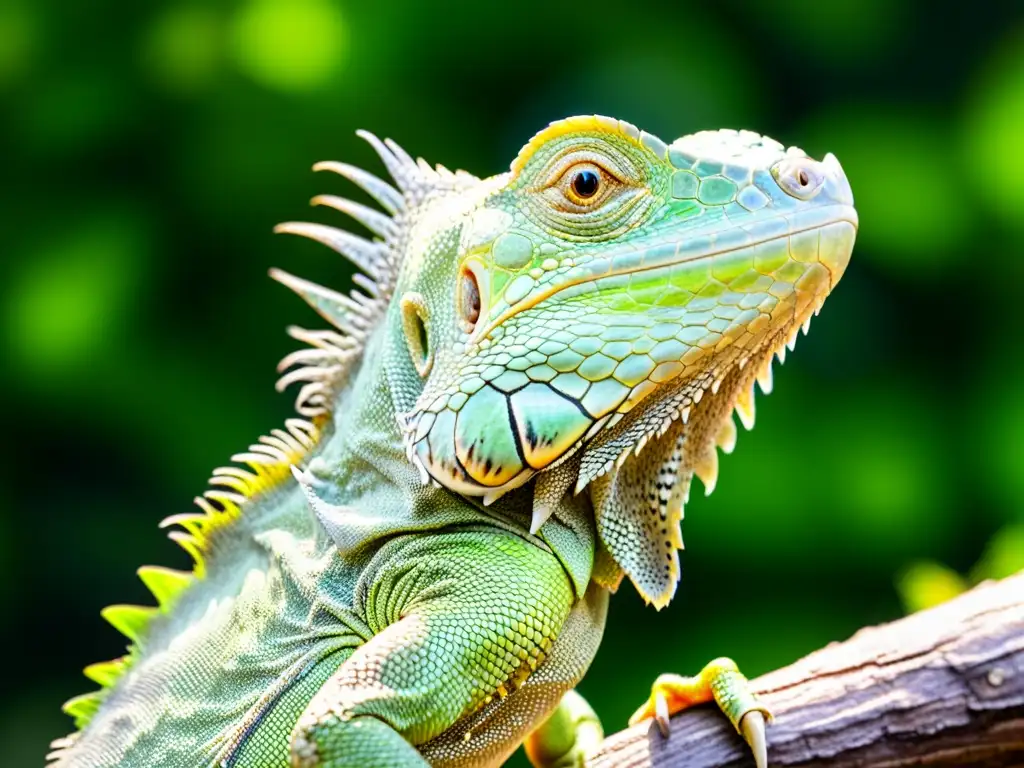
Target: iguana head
[(592, 317), (608, 291)]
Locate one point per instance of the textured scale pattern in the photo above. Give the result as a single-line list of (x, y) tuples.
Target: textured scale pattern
[(501, 422), (470, 630)]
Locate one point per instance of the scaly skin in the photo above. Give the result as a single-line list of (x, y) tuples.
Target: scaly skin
[(503, 423)]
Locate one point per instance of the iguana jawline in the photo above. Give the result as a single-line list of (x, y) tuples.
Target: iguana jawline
[(827, 215)]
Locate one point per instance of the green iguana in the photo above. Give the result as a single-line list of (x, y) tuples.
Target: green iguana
[(503, 421)]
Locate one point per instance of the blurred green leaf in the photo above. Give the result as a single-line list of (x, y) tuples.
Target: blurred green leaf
[(19, 41), (994, 129), (926, 584), (183, 47), (888, 473), (67, 300), (1004, 555), (288, 45)]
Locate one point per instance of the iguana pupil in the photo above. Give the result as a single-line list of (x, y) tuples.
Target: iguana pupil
[(585, 183)]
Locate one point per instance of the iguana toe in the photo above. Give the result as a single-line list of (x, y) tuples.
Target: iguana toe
[(720, 681)]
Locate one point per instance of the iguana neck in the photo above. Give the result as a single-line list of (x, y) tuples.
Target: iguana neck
[(363, 487), (364, 448)]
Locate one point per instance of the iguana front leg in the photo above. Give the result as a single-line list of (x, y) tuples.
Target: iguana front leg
[(460, 618), (573, 732)]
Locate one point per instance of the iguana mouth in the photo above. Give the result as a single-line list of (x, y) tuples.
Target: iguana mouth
[(702, 242)]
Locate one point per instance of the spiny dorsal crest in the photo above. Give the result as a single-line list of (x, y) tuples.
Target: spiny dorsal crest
[(321, 367), (355, 314)]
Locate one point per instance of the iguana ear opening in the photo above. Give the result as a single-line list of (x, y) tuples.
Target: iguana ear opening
[(414, 325), (469, 298)]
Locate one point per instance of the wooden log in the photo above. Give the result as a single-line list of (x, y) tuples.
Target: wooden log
[(943, 687)]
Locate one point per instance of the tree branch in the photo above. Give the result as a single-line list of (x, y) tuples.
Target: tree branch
[(944, 687)]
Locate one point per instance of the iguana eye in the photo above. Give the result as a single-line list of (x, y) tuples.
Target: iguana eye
[(585, 185), (590, 191)]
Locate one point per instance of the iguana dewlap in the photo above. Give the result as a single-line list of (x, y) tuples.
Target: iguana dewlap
[(503, 420)]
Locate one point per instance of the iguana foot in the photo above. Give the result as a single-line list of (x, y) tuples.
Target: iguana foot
[(720, 681), (570, 735)]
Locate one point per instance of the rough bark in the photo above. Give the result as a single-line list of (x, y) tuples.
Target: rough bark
[(944, 687)]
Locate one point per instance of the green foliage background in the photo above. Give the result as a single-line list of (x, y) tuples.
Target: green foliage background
[(148, 148)]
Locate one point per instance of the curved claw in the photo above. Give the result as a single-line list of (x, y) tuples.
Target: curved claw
[(752, 726), (720, 682), (661, 713)]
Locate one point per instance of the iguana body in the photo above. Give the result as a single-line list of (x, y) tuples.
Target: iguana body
[(504, 420)]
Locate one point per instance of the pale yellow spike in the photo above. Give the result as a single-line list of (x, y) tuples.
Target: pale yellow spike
[(375, 221), (232, 483), (706, 469), (304, 431), (389, 197), (745, 407), (276, 441), (165, 583), (551, 486), (254, 460), (194, 549), (238, 472), (541, 514), (726, 438), (764, 377), (130, 620), (224, 498), (193, 522)]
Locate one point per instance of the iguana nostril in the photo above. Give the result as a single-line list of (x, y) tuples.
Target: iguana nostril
[(799, 176)]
